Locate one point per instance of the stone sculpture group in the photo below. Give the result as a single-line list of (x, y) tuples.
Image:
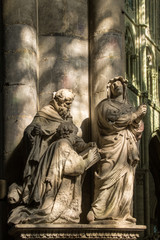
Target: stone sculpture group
[(58, 159)]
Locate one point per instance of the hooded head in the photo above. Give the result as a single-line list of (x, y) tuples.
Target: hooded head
[(115, 83)]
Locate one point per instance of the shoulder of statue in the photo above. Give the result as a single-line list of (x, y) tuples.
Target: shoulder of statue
[(103, 104), (64, 143)]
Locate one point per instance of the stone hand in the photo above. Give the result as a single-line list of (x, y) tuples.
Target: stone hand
[(140, 113), (92, 154), (92, 144), (37, 130), (142, 110)]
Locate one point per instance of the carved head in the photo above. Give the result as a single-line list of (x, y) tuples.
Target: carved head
[(68, 130), (117, 86), (64, 98)]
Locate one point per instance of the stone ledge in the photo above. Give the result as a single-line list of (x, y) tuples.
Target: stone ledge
[(76, 231)]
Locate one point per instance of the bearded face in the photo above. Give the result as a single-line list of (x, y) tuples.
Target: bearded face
[(64, 108)]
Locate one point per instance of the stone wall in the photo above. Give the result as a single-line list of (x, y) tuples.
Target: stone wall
[(63, 52), (20, 70)]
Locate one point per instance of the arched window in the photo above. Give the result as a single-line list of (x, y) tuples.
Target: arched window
[(130, 57)]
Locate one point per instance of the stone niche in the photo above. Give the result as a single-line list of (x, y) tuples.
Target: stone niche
[(76, 231)]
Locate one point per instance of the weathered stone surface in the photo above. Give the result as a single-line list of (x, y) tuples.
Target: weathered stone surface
[(21, 68), (19, 37), (64, 64), (19, 12), (3, 188), (109, 44), (59, 165), (106, 16), (119, 128), (20, 107), (20, 94), (76, 231), (106, 54), (68, 17), (107, 48)]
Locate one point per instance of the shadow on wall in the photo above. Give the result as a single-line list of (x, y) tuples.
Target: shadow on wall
[(154, 166)]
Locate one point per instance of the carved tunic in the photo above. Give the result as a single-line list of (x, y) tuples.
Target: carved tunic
[(48, 119), (57, 188), (118, 143)]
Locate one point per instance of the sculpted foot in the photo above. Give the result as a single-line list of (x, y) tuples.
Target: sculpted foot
[(131, 219), (90, 216)]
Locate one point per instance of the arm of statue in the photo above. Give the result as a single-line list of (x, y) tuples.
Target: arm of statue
[(92, 158), (31, 131), (140, 113), (132, 118), (75, 164), (81, 145)]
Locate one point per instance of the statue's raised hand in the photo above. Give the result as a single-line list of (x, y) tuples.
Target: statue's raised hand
[(140, 113), (142, 110)]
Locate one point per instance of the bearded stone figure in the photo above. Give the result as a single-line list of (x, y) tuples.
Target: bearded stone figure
[(120, 128), (40, 134), (55, 167)]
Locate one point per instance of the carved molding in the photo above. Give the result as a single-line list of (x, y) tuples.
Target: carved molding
[(75, 231), (73, 235)]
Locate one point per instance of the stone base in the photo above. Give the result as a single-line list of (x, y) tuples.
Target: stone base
[(75, 231)]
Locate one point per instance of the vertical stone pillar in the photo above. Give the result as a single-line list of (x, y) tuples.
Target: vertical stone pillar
[(142, 49), (20, 96), (107, 52), (63, 48), (63, 60), (1, 97), (143, 81), (2, 181)]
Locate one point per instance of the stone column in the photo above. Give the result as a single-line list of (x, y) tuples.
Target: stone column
[(107, 52), (20, 96), (63, 48), (63, 61), (143, 81)]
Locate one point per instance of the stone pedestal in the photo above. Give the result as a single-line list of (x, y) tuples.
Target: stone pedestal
[(76, 231)]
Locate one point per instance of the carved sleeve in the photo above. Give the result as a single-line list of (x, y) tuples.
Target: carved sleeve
[(74, 165)]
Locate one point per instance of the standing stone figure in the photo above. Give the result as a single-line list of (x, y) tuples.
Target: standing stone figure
[(120, 128)]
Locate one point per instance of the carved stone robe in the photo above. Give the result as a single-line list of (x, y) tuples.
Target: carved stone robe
[(48, 119), (56, 189), (114, 178)]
